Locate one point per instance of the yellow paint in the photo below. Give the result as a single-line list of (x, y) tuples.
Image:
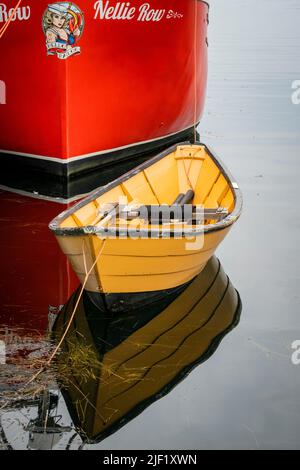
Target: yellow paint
[(138, 265), (137, 188), (163, 178), (207, 177), (228, 201), (110, 196)]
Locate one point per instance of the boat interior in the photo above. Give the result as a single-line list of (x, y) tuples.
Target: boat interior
[(187, 176)]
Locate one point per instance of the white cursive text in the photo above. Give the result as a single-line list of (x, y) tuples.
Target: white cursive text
[(22, 13)]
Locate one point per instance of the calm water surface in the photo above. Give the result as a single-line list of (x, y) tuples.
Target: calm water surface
[(243, 394)]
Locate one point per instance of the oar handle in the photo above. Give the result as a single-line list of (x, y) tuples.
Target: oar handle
[(187, 198), (177, 201)]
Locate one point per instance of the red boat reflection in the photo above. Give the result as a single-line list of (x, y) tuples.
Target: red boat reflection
[(34, 273)]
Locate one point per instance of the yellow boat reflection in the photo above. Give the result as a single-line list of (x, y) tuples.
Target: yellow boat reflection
[(139, 356)]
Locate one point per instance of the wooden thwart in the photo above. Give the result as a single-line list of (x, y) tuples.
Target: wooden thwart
[(156, 215), (180, 211)]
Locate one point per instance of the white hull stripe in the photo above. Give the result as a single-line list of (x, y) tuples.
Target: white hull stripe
[(88, 155), (36, 195)]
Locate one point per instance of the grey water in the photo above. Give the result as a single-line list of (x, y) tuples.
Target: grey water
[(246, 394)]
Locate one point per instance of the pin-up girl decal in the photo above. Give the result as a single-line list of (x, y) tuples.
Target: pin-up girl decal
[(63, 25)]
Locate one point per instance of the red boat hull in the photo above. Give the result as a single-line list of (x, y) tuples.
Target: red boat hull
[(131, 82)]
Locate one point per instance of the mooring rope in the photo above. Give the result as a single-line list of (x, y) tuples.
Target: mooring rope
[(195, 50), (195, 68)]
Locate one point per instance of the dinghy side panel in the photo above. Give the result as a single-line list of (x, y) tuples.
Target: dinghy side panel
[(138, 189), (163, 178), (87, 215), (218, 191), (228, 201), (110, 196), (127, 265), (208, 175), (81, 257)]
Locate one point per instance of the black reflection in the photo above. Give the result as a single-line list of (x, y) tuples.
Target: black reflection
[(115, 365)]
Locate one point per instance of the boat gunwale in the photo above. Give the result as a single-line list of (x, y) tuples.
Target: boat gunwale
[(229, 220)]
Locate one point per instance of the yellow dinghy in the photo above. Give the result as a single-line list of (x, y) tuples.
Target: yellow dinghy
[(154, 228)]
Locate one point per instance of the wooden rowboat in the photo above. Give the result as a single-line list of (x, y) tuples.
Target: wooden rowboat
[(154, 228)]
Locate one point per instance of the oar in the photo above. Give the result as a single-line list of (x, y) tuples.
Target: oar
[(180, 201), (218, 214), (187, 198), (157, 215)]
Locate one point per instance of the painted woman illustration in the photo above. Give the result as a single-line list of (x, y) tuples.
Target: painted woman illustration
[(63, 25)]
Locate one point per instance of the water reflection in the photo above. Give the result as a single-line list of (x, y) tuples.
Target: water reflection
[(34, 273), (114, 365)]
